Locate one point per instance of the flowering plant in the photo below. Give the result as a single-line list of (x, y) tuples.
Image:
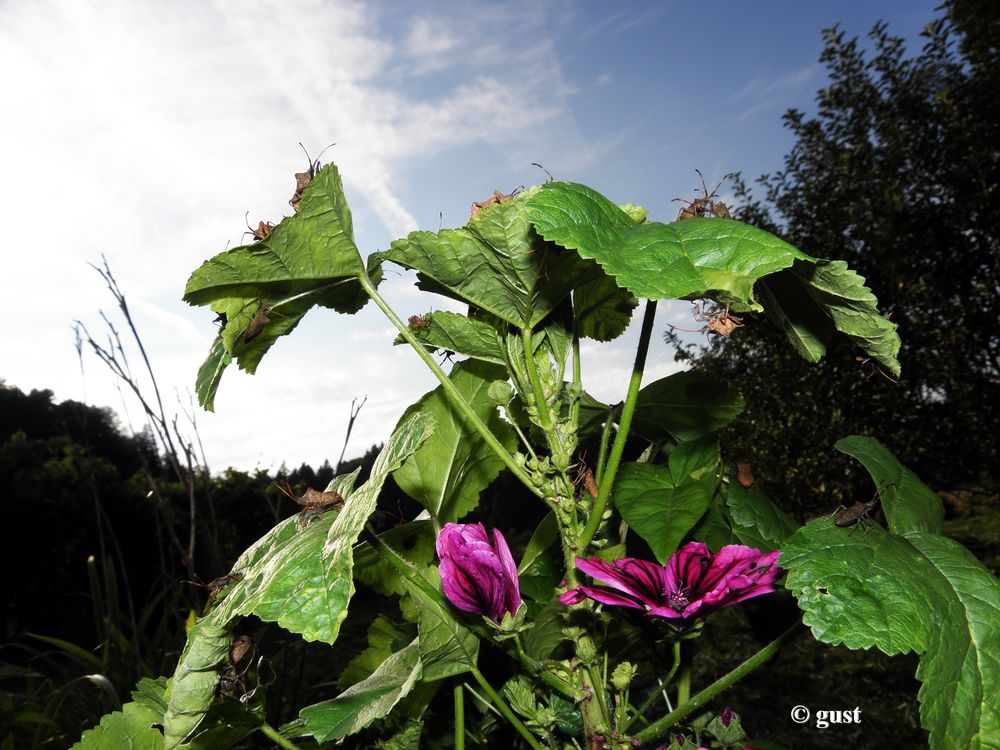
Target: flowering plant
[(496, 653)]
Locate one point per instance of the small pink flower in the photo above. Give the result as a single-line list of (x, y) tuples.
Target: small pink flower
[(478, 574), (692, 584)]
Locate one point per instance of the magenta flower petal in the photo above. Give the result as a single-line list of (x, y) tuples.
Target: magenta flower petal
[(478, 573), (693, 583)]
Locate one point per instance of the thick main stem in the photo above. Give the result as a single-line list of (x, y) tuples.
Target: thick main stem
[(625, 423), (453, 393)]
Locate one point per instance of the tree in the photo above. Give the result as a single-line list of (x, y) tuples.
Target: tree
[(899, 174)]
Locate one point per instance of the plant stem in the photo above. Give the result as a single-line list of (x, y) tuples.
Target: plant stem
[(653, 696), (625, 423), (505, 710), (275, 736), (542, 673), (541, 406), (449, 387), (459, 717), (602, 454), (659, 728)]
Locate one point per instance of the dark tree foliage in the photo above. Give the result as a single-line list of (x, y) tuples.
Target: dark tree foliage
[(899, 174)]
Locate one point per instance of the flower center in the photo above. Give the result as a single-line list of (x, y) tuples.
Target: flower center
[(677, 600)]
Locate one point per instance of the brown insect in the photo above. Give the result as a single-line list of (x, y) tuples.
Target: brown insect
[(721, 322), (217, 584), (263, 228), (231, 678), (418, 323), (704, 206), (257, 323), (302, 179), (866, 363), (313, 502), (494, 200), (860, 511), (585, 477)]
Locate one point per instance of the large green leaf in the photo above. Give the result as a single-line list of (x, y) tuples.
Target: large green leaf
[(684, 406), (447, 473), (909, 504), (192, 687), (447, 647), (811, 301), (716, 258), (757, 522), (302, 578), (368, 700), (472, 337), (497, 263), (919, 592), (659, 510), (132, 728), (602, 309), (308, 259)]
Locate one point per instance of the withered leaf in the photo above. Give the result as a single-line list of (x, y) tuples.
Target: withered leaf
[(744, 476)]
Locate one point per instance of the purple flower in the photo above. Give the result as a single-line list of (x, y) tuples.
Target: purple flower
[(478, 574), (693, 583)]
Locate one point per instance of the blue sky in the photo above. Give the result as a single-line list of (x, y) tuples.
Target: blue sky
[(145, 131)]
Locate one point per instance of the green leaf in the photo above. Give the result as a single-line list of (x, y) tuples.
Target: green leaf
[(304, 252), (713, 529), (384, 639), (602, 308), (694, 459), (447, 647), (757, 522), (447, 473), (811, 301), (684, 406), (545, 535), (302, 578), (407, 738), (128, 729), (472, 337), (909, 504), (192, 688), (308, 259), (371, 699), (716, 258), (659, 511), (919, 592), (548, 623), (413, 541), (210, 374), (497, 263)]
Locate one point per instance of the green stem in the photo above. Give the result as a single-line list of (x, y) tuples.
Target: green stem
[(684, 682), (574, 407), (628, 410), (449, 387), (659, 728), (602, 455), (505, 710), (541, 405), (655, 695), (542, 673), (275, 736), (459, 717)]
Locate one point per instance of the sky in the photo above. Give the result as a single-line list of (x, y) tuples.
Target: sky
[(145, 133)]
